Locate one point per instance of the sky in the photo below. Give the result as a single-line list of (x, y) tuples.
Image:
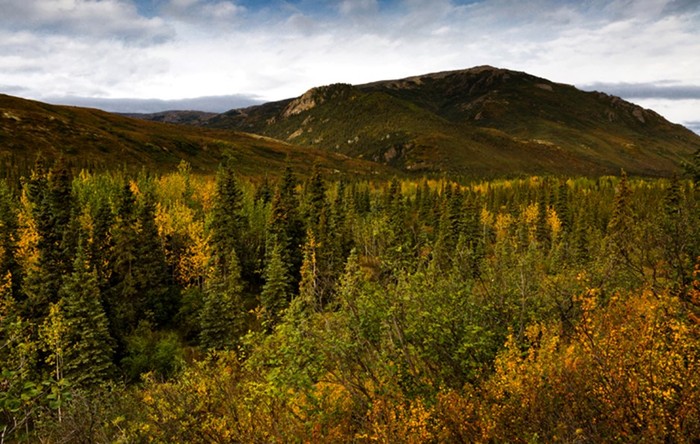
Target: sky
[(223, 54)]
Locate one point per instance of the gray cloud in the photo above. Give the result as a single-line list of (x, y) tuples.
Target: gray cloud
[(280, 48), (110, 19), (216, 104), (660, 90), (13, 90), (202, 12), (682, 7), (693, 125)]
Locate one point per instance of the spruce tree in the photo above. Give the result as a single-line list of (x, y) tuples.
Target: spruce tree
[(222, 315), (152, 276), (309, 288), (89, 351), (676, 235), (49, 195), (542, 230), (8, 239), (285, 225), (226, 218), (122, 297), (277, 290)]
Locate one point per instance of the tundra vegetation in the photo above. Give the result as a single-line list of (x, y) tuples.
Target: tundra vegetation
[(184, 308)]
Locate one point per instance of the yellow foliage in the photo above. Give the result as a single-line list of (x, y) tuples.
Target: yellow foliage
[(486, 217), (28, 236), (502, 226), (554, 222), (630, 372), (530, 215)]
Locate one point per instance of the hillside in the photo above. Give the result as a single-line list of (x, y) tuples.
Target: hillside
[(101, 140), (481, 121)]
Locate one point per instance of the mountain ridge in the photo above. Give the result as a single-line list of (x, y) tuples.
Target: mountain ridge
[(481, 121), (97, 139)]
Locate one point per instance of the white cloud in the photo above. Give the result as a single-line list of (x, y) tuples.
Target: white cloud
[(215, 47), (112, 19)]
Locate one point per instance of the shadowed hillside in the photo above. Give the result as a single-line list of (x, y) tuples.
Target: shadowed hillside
[(96, 139)]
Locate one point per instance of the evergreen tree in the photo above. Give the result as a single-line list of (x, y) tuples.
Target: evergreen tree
[(227, 221), (222, 315), (123, 302), (89, 346), (676, 236), (102, 243), (50, 198), (309, 287), (8, 239), (151, 273), (622, 238), (692, 168), (542, 232), (620, 226), (561, 206), (285, 225), (277, 291), (315, 205)]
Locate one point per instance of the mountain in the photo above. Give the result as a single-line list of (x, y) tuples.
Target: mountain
[(197, 118), (92, 138), (482, 121)]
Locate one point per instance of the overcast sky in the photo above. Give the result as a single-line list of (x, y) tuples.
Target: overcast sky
[(235, 52)]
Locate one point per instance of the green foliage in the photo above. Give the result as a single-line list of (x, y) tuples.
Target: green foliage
[(398, 311), (159, 353), (277, 291), (227, 221), (88, 356), (222, 315)]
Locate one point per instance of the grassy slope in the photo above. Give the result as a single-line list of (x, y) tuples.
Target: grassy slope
[(482, 122), (89, 137)]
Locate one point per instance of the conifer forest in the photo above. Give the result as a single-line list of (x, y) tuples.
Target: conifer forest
[(177, 307)]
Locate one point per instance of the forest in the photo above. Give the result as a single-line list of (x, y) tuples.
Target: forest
[(177, 307)]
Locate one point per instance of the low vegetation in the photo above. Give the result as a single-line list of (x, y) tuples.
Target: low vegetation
[(180, 308), (101, 141)]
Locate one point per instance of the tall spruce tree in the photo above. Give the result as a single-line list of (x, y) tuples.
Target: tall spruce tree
[(89, 346), (152, 276), (226, 218), (277, 291), (8, 240), (285, 225), (123, 302), (50, 197), (222, 316)]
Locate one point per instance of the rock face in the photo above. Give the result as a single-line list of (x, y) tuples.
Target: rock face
[(304, 103), (315, 97)]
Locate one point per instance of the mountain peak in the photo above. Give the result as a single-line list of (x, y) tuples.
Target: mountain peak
[(477, 121), (317, 96)]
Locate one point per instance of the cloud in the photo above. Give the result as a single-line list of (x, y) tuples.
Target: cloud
[(693, 125), (279, 48), (647, 90), (60, 65), (358, 7), (216, 104), (202, 12), (110, 19), (13, 90)]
